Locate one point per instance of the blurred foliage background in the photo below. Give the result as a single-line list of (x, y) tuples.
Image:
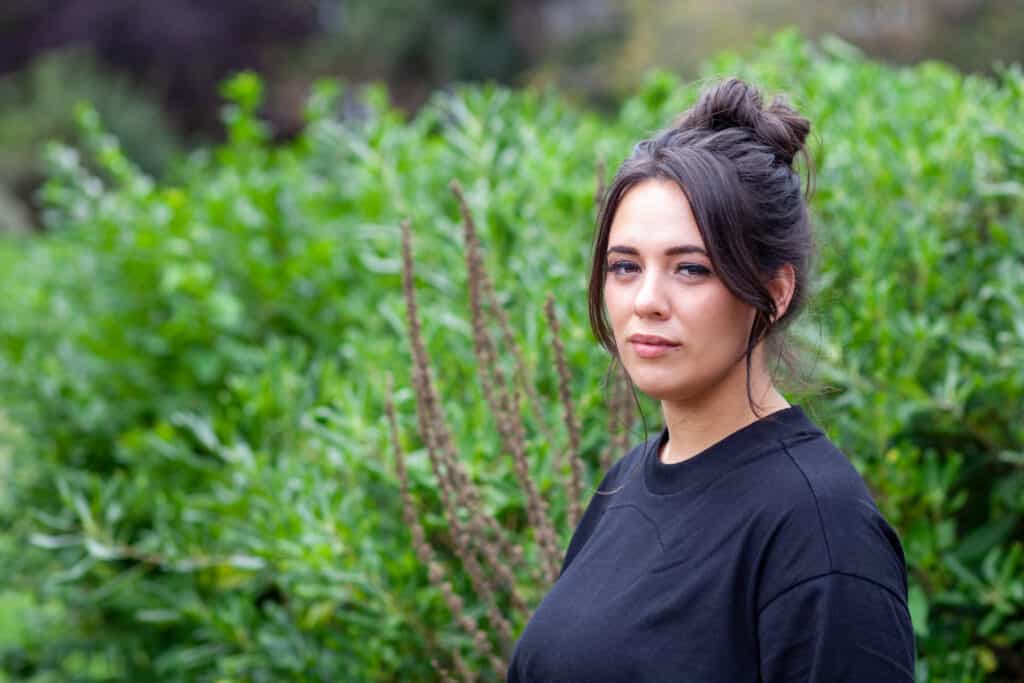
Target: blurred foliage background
[(157, 67), (202, 299)]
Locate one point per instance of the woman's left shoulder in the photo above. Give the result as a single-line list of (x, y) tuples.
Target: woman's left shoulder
[(823, 512), (816, 464), (809, 473)]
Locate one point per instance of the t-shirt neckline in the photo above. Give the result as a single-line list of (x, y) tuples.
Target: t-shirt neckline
[(700, 469)]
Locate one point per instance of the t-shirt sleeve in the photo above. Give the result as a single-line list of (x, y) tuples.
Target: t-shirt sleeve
[(836, 627)]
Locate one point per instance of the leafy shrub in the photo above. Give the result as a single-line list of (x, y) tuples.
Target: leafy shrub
[(203, 485), (36, 106)]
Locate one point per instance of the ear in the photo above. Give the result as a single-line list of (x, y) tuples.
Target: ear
[(781, 286)]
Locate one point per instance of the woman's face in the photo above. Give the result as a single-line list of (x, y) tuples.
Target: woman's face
[(660, 282)]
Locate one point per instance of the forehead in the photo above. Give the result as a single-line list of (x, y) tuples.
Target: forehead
[(652, 214)]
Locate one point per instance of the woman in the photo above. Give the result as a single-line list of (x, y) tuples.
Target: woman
[(739, 544)]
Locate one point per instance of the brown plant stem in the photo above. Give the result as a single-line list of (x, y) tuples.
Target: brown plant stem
[(506, 329), (423, 550), (503, 402), (481, 524), (464, 670), (453, 483), (442, 673), (626, 411), (613, 403), (621, 416), (468, 497), (576, 465), (513, 346)]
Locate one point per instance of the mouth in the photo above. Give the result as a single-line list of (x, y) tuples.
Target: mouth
[(652, 347)]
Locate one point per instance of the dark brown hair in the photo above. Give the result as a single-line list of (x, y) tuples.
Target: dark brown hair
[(733, 158)]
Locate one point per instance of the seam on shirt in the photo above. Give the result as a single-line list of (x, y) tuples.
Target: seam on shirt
[(868, 579), (657, 529), (817, 505), (896, 665), (800, 437)]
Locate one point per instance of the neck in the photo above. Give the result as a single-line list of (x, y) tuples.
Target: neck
[(696, 423)]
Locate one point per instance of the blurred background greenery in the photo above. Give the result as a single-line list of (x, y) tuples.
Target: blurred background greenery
[(152, 70), (201, 300)]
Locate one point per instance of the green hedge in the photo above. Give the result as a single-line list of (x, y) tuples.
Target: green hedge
[(200, 484), (36, 106)]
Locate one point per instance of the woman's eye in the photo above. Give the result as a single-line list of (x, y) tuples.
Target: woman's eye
[(688, 269), (693, 270), (621, 267)]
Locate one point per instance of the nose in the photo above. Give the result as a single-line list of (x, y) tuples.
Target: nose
[(651, 299)]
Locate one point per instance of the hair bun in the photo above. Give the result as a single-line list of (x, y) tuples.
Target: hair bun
[(734, 102)]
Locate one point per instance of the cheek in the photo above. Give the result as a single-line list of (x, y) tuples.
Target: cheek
[(719, 321), (620, 311), (735, 324), (616, 302)]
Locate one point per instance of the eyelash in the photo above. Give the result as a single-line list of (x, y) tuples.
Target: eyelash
[(698, 270)]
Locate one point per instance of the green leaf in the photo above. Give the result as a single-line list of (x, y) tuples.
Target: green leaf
[(918, 603)]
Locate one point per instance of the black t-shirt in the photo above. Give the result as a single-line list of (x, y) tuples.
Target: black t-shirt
[(762, 558)]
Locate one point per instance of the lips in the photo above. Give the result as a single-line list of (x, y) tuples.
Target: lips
[(651, 340), (651, 345)]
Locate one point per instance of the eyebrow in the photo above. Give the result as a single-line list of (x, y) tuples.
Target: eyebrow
[(671, 251)]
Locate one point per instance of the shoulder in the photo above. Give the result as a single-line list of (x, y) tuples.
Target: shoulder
[(627, 466), (614, 479), (819, 519)]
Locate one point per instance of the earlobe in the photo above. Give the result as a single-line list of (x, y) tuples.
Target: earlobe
[(781, 287)]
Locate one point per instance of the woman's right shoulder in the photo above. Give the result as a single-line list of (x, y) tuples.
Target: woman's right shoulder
[(614, 478), (618, 473)]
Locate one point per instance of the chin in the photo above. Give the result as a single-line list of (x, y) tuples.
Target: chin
[(658, 388), (663, 393), (666, 382)]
